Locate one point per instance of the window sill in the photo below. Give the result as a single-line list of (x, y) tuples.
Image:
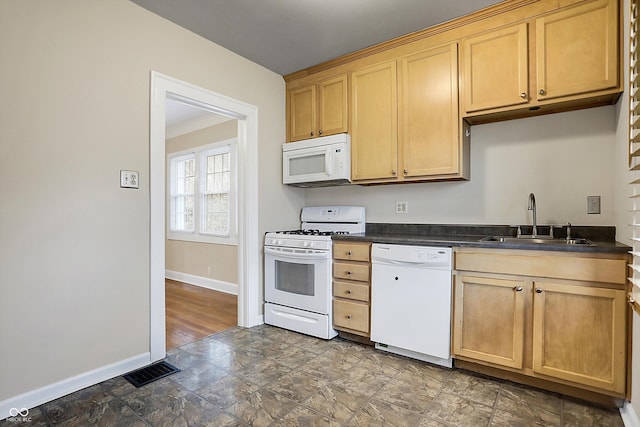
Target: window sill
[(200, 238)]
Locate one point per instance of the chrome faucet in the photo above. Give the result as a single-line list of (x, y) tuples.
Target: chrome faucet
[(532, 207)]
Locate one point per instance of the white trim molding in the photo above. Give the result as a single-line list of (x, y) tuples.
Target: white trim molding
[(204, 282), (249, 304), (53, 391), (629, 415)]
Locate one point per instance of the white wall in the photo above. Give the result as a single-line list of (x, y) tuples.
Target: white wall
[(562, 158), (74, 247)]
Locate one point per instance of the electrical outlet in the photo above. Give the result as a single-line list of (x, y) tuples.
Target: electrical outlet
[(402, 207), (593, 204), (129, 179)]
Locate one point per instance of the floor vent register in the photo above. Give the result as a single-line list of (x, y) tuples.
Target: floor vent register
[(150, 373)]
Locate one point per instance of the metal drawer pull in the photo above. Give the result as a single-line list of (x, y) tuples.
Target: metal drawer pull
[(518, 288), (523, 95), (538, 290), (348, 316), (348, 272), (542, 92), (348, 291), (349, 253)]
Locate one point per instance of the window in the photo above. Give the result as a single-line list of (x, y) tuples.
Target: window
[(202, 194)]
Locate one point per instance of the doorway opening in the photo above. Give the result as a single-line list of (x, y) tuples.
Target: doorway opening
[(201, 247), (162, 88)]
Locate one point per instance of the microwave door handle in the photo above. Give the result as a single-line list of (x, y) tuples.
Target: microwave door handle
[(328, 162)]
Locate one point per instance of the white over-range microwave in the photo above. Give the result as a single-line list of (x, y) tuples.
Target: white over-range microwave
[(318, 162)]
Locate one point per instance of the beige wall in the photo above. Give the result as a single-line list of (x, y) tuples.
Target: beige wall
[(562, 158), (213, 261), (74, 247)]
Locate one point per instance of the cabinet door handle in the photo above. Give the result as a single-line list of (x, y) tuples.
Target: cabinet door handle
[(538, 290), (542, 92), (393, 172), (405, 171), (312, 133), (320, 132), (518, 288), (523, 95)]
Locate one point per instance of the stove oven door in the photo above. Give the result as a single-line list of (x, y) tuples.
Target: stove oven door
[(298, 278)]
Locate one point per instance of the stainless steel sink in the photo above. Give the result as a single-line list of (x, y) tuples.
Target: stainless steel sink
[(536, 240)]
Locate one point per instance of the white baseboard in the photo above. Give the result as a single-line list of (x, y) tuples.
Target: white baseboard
[(205, 282), (629, 415), (37, 397)]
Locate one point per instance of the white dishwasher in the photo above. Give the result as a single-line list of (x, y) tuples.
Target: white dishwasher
[(411, 289)]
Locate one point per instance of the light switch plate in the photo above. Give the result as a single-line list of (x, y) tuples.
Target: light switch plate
[(593, 204), (129, 179)]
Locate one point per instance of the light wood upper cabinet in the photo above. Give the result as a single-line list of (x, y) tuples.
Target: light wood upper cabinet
[(568, 57), (318, 110), (496, 69), (429, 117), (302, 113), (494, 335), (374, 115), (577, 50), (579, 334), (333, 104), (405, 119)]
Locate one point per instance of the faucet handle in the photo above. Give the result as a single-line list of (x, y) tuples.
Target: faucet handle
[(568, 231)]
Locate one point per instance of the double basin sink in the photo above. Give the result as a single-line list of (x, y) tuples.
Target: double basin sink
[(537, 240)]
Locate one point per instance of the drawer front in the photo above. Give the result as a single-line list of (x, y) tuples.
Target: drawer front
[(351, 290), (351, 251), (351, 271), (559, 267), (351, 315)]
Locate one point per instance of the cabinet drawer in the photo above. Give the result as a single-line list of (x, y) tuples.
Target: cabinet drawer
[(351, 271), (351, 251), (351, 290), (553, 266), (351, 315)]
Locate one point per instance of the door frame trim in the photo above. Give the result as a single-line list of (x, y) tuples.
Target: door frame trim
[(248, 241)]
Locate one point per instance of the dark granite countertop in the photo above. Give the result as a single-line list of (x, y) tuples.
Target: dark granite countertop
[(602, 238)]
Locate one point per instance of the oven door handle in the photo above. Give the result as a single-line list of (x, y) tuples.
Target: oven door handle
[(296, 253)]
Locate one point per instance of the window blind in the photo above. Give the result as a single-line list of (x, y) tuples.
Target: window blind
[(634, 152)]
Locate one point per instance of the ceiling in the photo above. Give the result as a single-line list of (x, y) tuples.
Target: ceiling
[(289, 35)]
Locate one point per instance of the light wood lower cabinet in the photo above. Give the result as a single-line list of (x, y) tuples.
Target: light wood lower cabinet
[(544, 323), (352, 287), (495, 335), (579, 334)]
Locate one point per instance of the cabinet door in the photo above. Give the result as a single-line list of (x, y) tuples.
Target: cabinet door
[(579, 334), (374, 115), (489, 320), (302, 113), (332, 96), (577, 50), (429, 113), (496, 69)]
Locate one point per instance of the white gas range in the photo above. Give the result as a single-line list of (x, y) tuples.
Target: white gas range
[(297, 265)]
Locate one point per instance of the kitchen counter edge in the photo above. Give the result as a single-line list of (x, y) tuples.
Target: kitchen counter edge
[(475, 241)]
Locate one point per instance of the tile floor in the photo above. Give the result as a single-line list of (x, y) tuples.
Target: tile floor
[(265, 376)]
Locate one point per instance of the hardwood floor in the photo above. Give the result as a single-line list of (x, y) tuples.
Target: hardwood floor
[(193, 312)]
